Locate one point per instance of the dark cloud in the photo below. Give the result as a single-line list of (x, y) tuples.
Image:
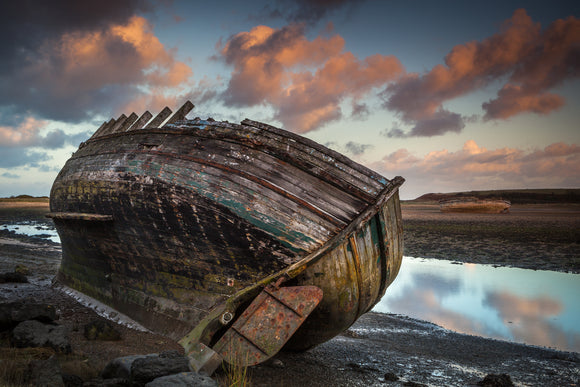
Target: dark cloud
[(65, 60), (19, 157), (533, 61), (25, 24), (360, 111), (58, 139), (357, 149), (306, 11)]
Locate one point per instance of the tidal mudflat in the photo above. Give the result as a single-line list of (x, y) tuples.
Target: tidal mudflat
[(378, 348)]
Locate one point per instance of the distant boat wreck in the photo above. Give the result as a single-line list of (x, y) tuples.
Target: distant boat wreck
[(473, 204), (237, 239)]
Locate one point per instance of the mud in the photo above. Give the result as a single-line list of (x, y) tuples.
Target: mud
[(378, 348)]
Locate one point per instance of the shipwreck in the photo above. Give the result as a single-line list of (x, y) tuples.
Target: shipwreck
[(474, 204), (236, 239)]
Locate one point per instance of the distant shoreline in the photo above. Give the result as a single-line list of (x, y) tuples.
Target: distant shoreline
[(24, 201)]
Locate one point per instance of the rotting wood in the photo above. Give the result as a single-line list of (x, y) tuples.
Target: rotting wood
[(205, 214), (126, 124), (181, 113), (158, 120), (140, 123)]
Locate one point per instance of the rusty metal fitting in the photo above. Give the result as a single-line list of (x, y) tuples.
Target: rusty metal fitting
[(226, 318)]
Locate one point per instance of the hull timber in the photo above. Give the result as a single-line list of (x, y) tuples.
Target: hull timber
[(177, 225), (473, 204)]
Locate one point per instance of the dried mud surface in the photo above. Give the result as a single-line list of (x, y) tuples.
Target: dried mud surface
[(378, 347)]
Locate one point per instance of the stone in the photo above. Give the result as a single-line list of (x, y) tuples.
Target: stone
[(183, 379), (72, 380), (493, 380), (13, 313), (101, 330), (33, 333), (115, 382), (147, 369), (120, 367), (13, 277)]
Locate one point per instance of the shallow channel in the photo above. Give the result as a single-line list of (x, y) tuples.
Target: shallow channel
[(525, 306)]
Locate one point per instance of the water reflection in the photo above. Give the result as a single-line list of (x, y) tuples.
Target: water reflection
[(532, 307), (33, 229)]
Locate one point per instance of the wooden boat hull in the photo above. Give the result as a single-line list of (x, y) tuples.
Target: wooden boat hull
[(474, 205), (176, 226)]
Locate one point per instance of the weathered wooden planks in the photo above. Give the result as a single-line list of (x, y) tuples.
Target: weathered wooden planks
[(203, 211)]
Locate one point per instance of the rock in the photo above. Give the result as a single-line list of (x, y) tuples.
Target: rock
[(184, 379), (101, 330), (493, 380), (33, 333), (13, 313), (120, 367), (147, 369), (116, 382), (72, 380), (45, 373), (13, 277)]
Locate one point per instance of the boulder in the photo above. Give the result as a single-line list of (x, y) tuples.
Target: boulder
[(115, 382), (13, 277), (183, 379), (120, 368), (493, 380), (13, 313), (33, 333), (146, 369)]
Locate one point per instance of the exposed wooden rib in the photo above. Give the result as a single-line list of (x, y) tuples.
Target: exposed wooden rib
[(181, 113), (128, 122), (159, 119), (140, 123), (79, 216), (118, 121), (104, 127)]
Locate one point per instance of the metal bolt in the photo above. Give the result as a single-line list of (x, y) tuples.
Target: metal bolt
[(226, 318)]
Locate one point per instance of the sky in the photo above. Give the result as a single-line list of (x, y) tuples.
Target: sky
[(451, 95)]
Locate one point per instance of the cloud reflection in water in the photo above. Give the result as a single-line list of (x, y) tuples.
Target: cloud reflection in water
[(532, 307)]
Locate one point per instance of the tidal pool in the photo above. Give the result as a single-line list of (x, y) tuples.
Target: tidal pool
[(46, 231), (526, 306)]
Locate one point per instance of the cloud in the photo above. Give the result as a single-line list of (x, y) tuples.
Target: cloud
[(9, 175), (304, 81), (68, 73), (557, 165), (357, 149), (18, 157), (530, 319), (533, 61), (306, 11), (27, 134)]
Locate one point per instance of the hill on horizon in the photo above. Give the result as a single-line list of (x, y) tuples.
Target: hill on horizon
[(516, 196)]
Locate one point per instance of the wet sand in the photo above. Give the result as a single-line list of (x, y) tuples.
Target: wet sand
[(378, 345)]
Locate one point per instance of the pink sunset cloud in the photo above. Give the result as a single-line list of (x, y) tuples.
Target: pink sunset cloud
[(556, 165), (303, 80), (534, 62)]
